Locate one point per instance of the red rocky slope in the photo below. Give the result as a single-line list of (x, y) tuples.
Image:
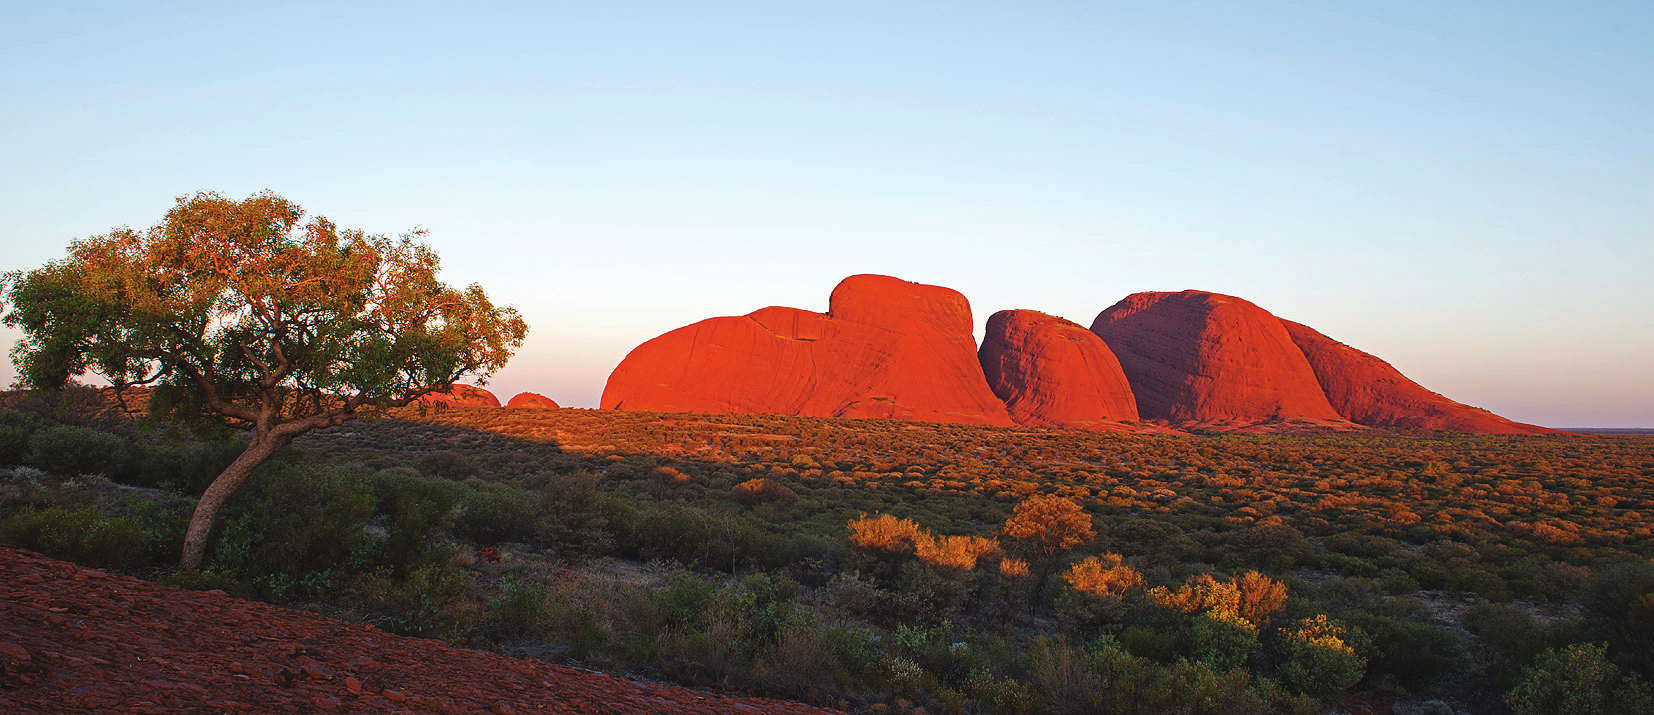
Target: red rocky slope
[(74, 640), (885, 348), (1197, 356), (1050, 371), (1369, 391)]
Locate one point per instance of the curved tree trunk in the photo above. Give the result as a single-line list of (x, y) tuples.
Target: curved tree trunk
[(225, 484)]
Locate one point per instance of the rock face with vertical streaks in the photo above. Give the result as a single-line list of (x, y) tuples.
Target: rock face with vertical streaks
[(1051, 371), (1369, 391), (885, 348), (1197, 356)]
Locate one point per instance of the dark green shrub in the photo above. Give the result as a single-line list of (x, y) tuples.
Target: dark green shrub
[(519, 606), (14, 444), (1223, 641), (1506, 628), (495, 517), (291, 525), (163, 527), (83, 536), (447, 464), (416, 509), (72, 451), (429, 602), (1149, 643), (1577, 680), (1618, 604), (1415, 653), (574, 522), (1275, 547)]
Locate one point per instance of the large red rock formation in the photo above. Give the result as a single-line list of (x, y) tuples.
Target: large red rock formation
[(1369, 391), (532, 400), (468, 395), (1051, 371), (885, 348), (1197, 356)]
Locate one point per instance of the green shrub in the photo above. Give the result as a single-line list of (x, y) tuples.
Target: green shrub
[(83, 536), (429, 602), (1415, 653), (1223, 641), (291, 525), (1577, 680), (71, 451), (494, 517), (415, 509), (163, 528), (519, 606), (1149, 643), (1618, 604), (1506, 627), (14, 445), (1321, 658), (447, 464)]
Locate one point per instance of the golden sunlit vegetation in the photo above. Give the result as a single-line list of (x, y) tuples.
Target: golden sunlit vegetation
[(897, 566)]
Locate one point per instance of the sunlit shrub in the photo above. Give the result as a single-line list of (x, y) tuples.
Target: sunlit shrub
[(958, 552), (884, 532), (1103, 576)]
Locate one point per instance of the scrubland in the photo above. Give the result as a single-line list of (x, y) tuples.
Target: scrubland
[(888, 566)]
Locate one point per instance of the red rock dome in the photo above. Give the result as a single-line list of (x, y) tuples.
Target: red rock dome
[(469, 395), (885, 348), (532, 400), (1051, 371), (1369, 391), (1196, 356)]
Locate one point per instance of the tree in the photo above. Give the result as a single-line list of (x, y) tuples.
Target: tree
[(243, 319), (1048, 526)]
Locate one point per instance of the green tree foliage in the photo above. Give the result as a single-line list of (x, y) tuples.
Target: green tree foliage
[(243, 318)]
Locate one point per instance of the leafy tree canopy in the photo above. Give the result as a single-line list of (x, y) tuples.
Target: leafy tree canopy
[(242, 317)]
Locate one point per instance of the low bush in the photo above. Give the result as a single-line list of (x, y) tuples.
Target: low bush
[(82, 535)]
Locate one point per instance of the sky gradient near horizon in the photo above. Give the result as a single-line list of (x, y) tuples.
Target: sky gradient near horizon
[(1465, 190)]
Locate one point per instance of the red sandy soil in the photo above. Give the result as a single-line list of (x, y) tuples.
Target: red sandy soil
[(886, 348), (77, 640), (532, 400), (1050, 371), (1196, 356)]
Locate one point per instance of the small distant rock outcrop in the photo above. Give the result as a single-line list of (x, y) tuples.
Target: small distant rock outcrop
[(465, 395), (1196, 356), (886, 348), (532, 400), (1051, 371), (1369, 391)]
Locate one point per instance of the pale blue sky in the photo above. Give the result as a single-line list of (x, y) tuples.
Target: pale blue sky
[(1464, 189)]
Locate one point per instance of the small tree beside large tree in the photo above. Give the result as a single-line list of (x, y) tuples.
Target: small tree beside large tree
[(242, 318)]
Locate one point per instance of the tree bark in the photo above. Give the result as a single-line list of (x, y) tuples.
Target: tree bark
[(225, 484)]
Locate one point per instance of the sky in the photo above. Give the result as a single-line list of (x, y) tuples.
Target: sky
[(1463, 189)]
